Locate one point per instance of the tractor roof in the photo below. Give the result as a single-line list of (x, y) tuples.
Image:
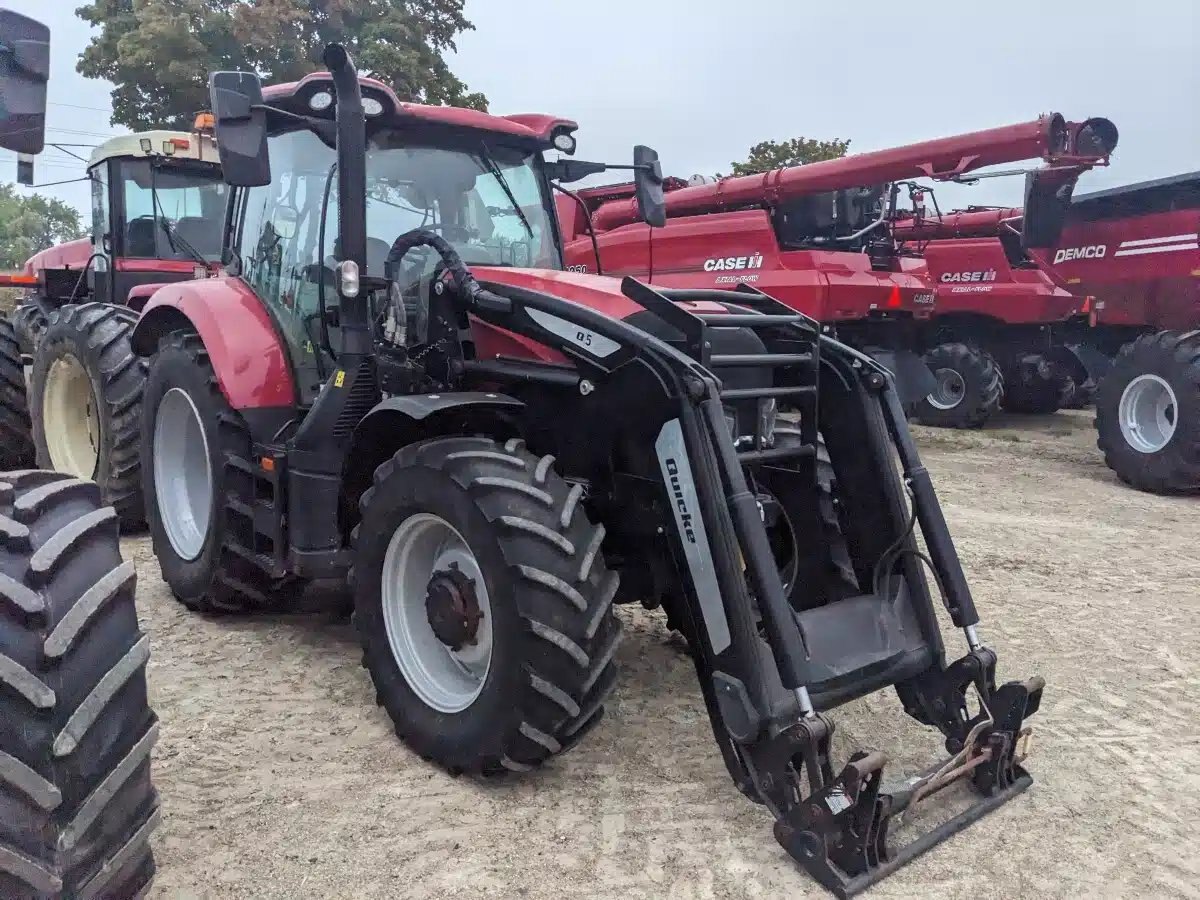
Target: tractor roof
[(173, 144), (533, 126)]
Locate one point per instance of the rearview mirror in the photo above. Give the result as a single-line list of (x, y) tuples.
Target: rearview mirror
[(1047, 198), (24, 70), (240, 128), (648, 186)]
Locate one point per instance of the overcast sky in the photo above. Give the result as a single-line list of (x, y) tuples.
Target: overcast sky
[(701, 81)]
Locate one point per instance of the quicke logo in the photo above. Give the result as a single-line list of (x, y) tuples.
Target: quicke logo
[(685, 517)]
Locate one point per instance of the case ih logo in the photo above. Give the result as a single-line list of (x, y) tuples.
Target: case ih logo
[(725, 263), (958, 277), (1095, 251)]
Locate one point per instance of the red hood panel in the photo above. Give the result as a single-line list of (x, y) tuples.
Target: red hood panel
[(73, 254), (596, 292)]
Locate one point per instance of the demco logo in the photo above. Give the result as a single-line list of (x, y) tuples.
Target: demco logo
[(957, 277), (1095, 251), (725, 263)]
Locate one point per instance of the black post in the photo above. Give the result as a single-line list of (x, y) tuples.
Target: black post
[(352, 194)]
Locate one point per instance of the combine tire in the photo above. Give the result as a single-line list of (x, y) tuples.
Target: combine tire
[(1148, 413), (16, 439), (968, 391), (86, 398), (189, 434), (1034, 386), (76, 732), (483, 604)]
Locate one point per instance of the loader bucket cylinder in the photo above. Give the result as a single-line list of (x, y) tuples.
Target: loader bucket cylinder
[(24, 70)]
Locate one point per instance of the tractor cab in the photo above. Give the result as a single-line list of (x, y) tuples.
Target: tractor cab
[(158, 203)]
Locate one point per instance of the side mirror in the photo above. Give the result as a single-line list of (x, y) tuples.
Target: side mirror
[(24, 71), (648, 186), (1046, 201), (240, 128)]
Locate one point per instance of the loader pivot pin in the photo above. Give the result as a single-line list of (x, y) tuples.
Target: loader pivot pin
[(453, 608)]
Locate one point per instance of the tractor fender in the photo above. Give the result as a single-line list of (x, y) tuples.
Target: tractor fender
[(243, 345), (914, 381)]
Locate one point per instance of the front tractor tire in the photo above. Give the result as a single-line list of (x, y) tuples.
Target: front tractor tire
[(968, 389), (86, 402), (77, 805), (189, 437), (483, 604), (16, 436), (1148, 413)]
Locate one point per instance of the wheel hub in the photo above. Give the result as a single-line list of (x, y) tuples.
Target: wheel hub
[(1148, 413), (453, 608), (70, 418), (950, 390)]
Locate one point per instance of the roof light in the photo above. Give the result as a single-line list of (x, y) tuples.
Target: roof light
[(147, 145), (372, 107), (169, 148), (320, 101), (564, 142), (348, 276), (205, 123)]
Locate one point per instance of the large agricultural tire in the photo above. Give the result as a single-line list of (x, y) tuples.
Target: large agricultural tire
[(16, 435), (1078, 395), (85, 395), (29, 321), (1028, 391), (541, 666), (969, 387), (189, 432), (76, 800), (1148, 413)]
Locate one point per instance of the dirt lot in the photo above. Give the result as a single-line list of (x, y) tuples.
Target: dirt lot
[(281, 778)]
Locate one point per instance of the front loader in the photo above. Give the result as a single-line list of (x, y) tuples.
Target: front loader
[(398, 383)]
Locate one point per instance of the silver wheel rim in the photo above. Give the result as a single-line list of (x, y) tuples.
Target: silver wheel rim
[(1148, 413), (182, 473), (950, 390), (70, 418), (447, 680)]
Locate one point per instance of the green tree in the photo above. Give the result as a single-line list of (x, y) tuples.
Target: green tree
[(33, 223), (797, 152), (158, 53)]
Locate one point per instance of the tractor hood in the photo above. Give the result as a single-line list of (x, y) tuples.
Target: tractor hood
[(597, 292), (71, 255)]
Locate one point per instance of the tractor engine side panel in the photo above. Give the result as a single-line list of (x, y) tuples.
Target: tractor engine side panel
[(242, 342)]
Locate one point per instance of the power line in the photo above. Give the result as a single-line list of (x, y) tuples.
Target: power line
[(77, 106)]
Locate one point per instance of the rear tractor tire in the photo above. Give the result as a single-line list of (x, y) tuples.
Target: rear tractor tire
[(16, 435), (76, 731), (189, 440), (483, 604), (86, 398), (968, 391), (1148, 413), (29, 321)]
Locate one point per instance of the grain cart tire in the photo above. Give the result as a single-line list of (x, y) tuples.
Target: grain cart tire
[(85, 395), (968, 391), (1148, 413), (16, 435), (483, 604), (29, 322), (189, 436), (76, 730)]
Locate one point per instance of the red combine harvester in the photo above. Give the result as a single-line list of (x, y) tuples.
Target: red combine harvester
[(1135, 251), (817, 236)]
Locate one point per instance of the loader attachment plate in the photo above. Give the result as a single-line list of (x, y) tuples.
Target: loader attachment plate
[(839, 831)]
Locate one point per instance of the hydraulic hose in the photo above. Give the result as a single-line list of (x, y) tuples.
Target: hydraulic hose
[(468, 287)]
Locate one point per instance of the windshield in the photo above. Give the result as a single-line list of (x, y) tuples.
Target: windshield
[(189, 197)]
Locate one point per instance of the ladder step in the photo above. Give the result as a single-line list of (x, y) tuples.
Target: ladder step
[(730, 360)]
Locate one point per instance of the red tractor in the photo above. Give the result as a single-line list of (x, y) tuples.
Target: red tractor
[(396, 381), (1134, 251), (817, 236), (157, 205)]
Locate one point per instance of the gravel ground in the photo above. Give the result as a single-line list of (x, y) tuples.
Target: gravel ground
[(281, 778)]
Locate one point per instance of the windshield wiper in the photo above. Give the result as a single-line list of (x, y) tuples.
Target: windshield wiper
[(168, 229), (487, 160)]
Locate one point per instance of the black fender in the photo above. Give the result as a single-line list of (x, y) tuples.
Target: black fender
[(914, 381), (1082, 362)]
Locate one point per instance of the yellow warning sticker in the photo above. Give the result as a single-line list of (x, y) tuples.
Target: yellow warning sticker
[(340, 378)]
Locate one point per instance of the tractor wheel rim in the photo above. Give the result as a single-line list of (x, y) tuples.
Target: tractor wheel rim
[(183, 480), (445, 679), (70, 418), (950, 390), (1148, 413)]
